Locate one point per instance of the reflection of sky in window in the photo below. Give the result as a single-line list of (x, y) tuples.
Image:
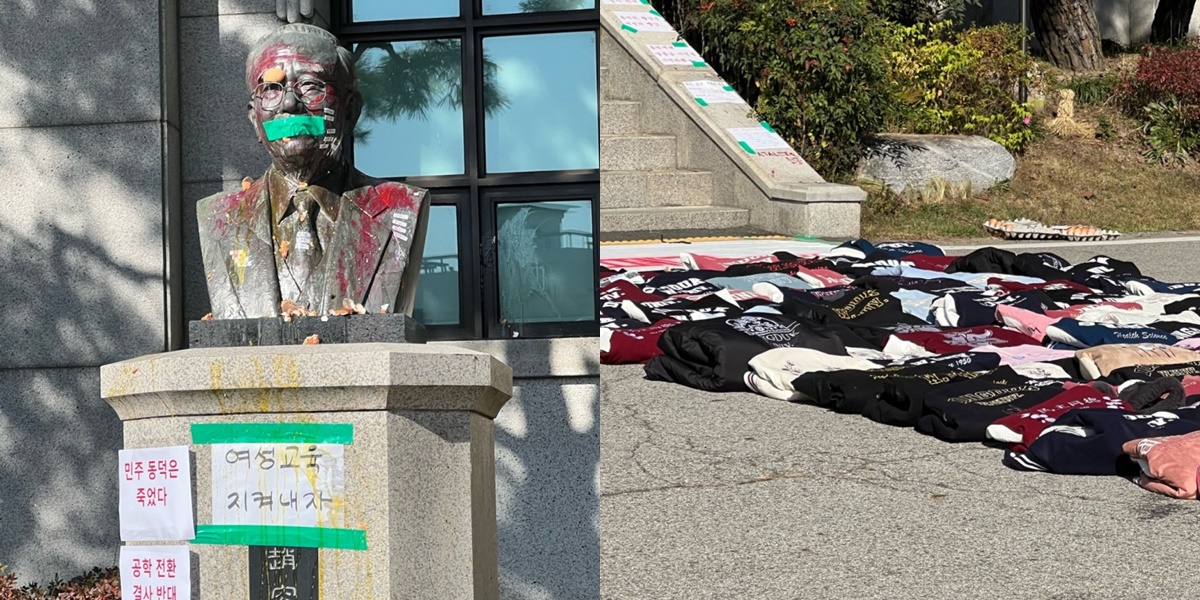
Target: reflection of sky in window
[(406, 146), (386, 10), (499, 7), (552, 120), (441, 238)]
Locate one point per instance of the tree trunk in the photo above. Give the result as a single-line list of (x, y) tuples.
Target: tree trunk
[(1171, 20), (1068, 31)]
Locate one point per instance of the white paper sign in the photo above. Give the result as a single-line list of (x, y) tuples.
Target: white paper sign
[(156, 573), (644, 21), (278, 484), (156, 494), (757, 138), (712, 92), (674, 55)]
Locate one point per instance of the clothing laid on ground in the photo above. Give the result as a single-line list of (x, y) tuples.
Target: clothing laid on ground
[(1091, 368), (714, 355), (1168, 465), (1089, 441), (1099, 361), (1019, 429)]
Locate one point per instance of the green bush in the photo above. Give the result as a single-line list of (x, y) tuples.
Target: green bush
[(962, 82), (1171, 132), (815, 69), (830, 74), (1090, 91)]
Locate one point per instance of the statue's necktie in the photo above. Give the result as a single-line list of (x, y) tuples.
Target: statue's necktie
[(305, 252)]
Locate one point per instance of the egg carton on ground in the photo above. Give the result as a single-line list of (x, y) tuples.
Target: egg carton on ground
[(1085, 233), (1028, 229), (1021, 229)]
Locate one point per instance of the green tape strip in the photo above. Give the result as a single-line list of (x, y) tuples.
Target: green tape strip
[(272, 433), (728, 88), (645, 1), (281, 535), (294, 126), (767, 126), (699, 63), (655, 13), (679, 44), (701, 102), (747, 147), (628, 28)]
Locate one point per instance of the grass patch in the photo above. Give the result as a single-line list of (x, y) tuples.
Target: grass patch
[(1058, 182)]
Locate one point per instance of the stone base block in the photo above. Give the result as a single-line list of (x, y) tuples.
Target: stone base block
[(350, 329)]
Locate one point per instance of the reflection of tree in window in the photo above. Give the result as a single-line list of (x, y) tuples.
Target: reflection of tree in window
[(411, 81), (549, 5), (543, 267), (522, 276)]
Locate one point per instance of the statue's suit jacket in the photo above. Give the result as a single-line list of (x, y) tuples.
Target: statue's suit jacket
[(372, 249)]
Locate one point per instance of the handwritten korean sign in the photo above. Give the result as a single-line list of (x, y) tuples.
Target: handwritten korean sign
[(712, 92), (643, 21), (756, 139), (155, 494), (676, 54), (278, 484), (156, 573)]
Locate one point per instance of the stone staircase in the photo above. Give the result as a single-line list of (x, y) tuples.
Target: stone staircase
[(643, 188)]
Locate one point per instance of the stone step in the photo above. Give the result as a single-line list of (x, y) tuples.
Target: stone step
[(638, 189), (619, 117), (637, 152), (672, 218)]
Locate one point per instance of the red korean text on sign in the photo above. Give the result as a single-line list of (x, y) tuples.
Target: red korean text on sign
[(151, 496), (135, 470)]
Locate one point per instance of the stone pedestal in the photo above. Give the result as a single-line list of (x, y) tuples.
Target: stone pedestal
[(419, 475)]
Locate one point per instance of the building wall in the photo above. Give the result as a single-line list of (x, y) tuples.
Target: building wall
[(89, 142), (120, 115), (1126, 22)]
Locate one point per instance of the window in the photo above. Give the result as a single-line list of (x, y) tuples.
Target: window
[(493, 106)]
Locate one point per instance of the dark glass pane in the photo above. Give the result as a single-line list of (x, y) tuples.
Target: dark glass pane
[(412, 121), (437, 292), (541, 101), (501, 7), (389, 10), (546, 262)]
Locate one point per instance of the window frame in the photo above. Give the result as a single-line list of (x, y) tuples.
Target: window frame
[(475, 192)]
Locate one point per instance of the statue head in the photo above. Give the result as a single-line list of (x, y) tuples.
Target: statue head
[(303, 98)]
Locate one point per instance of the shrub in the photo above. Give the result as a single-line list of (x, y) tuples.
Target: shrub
[(97, 584), (911, 12), (1171, 132), (962, 82), (815, 69), (1090, 91), (1164, 73), (1164, 94)]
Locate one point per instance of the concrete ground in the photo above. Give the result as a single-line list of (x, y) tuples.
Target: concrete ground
[(738, 496)]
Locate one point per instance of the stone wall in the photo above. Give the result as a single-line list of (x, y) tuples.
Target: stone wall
[(89, 145)]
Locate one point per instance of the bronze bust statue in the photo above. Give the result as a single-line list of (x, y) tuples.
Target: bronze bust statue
[(312, 231)]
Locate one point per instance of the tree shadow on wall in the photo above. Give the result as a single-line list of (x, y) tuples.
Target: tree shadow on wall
[(79, 274), (547, 457), (58, 478)]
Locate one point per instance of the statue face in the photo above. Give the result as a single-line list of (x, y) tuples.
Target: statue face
[(301, 110)]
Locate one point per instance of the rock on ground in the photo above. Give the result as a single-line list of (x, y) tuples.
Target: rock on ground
[(936, 166)]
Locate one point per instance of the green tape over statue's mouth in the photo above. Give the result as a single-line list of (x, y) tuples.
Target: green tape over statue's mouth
[(294, 126)]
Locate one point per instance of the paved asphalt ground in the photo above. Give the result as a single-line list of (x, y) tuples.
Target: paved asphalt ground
[(739, 496)]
